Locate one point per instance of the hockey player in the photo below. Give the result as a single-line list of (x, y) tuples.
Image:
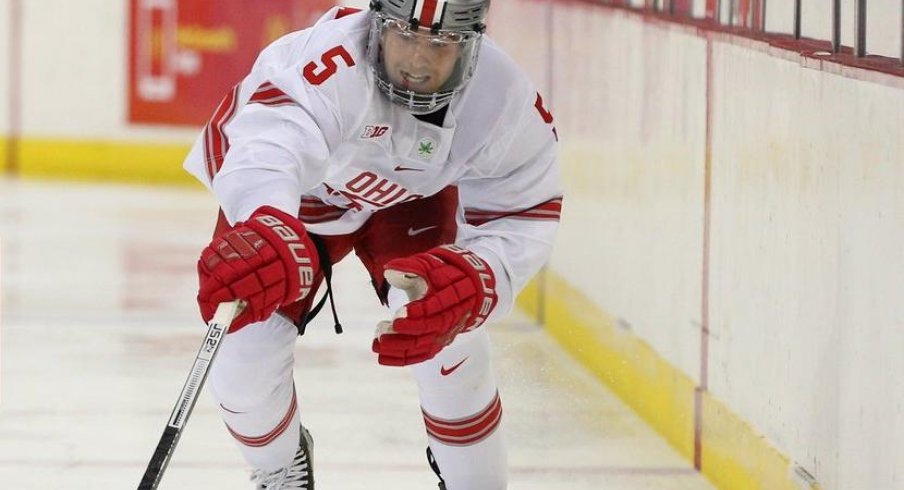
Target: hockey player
[(404, 134)]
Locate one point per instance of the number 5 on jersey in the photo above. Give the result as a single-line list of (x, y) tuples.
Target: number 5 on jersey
[(545, 114), (315, 77)]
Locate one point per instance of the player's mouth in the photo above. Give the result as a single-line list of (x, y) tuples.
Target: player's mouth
[(410, 79)]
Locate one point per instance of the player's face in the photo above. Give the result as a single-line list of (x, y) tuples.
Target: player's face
[(418, 60)]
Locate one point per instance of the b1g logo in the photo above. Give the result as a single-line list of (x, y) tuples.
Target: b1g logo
[(374, 131)]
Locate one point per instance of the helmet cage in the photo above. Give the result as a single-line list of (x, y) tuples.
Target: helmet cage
[(466, 33)]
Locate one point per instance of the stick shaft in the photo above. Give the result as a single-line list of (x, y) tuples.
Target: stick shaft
[(216, 332)]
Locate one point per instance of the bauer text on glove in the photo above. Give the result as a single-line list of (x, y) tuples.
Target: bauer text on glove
[(452, 290), (268, 261)]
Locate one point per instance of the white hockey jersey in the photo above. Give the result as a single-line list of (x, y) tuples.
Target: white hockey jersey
[(308, 131)]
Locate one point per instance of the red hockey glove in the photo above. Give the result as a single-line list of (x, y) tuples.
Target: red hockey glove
[(268, 261), (452, 291)]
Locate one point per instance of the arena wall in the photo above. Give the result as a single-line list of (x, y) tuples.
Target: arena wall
[(5, 93), (731, 244), (731, 251), (70, 107)]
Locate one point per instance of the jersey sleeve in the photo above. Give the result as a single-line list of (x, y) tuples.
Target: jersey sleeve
[(210, 148), (279, 145), (510, 216), (269, 140)]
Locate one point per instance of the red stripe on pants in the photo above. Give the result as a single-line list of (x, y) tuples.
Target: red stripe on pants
[(466, 431), (277, 431)]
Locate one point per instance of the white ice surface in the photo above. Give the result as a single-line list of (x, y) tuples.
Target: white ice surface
[(99, 329)]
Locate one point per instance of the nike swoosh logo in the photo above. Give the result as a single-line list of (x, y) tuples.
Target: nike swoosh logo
[(413, 232), (400, 168), (445, 372)]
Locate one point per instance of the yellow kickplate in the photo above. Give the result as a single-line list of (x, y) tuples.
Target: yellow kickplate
[(103, 161), (734, 456)]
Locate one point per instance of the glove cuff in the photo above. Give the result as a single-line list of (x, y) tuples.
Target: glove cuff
[(480, 273), (288, 236)]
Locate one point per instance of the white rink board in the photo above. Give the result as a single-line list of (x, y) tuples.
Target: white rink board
[(807, 254), (808, 261), (75, 75), (5, 30), (633, 162), (77, 52)]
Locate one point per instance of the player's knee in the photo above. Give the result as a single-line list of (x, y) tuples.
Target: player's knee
[(245, 397), (254, 364)]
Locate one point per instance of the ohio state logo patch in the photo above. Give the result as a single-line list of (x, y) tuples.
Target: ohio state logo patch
[(425, 148)]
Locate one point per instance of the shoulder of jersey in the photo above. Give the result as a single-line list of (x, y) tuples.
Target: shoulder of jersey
[(340, 26), (493, 105), (499, 84)]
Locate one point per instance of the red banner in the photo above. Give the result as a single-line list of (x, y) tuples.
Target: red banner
[(185, 54)]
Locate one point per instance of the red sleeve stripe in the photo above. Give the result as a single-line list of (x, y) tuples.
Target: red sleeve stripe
[(467, 431), (314, 210), (267, 438), (548, 211), (312, 202), (216, 144), (343, 11), (322, 218), (268, 94)]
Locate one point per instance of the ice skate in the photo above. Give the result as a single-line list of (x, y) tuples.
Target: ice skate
[(300, 475)]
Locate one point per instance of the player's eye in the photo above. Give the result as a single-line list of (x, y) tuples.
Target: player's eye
[(445, 39), (401, 29)]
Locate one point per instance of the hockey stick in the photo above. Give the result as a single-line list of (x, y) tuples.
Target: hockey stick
[(216, 331)]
